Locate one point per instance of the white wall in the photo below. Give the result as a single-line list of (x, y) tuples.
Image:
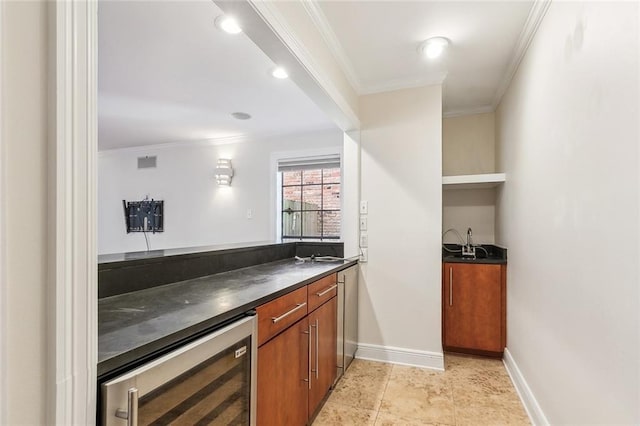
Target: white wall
[(468, 147), (568, 140), (351, 193), (469, 208), (197, 211), (24, 166), (468, 144), (401, 169)]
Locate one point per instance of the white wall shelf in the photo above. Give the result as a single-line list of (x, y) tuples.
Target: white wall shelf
[(483, 181)]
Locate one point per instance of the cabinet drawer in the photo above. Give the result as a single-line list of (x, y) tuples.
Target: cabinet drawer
[(322, 290), (277, 315)]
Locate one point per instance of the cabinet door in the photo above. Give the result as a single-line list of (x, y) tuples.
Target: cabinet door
[(279, 314), (472, 307), (323, 325), (283, 377)]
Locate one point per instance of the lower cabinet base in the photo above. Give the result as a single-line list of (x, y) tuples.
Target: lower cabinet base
[(490, 354)]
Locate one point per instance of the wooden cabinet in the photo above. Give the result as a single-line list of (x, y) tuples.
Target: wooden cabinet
[(474, 308), (283, 377), (322, 290), (323, 324), (297, 357), (277, 315)]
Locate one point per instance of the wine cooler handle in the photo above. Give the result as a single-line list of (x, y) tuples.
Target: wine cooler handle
[(131, 415)]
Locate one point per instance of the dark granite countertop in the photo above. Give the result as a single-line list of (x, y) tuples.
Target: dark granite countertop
[(132, 326), (454, 259), (493, 255)]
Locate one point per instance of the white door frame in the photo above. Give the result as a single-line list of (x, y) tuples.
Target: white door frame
[(73, 265), (73, 255), (3, 263)]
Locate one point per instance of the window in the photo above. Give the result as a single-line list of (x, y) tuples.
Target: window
[(311, 205)]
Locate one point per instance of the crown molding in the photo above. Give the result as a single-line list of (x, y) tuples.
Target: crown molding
[(388, 86), (536, 14), (177, 144), (214, 141), (274, 19), (322, 24), (468, 111)]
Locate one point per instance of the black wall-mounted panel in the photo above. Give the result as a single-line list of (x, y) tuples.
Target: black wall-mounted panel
[(144, 216)]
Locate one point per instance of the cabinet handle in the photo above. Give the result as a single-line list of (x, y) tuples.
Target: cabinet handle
[(309, 358), (308, 379), (286, 314), (317, 344), (450, 286), (325, 291), (131, 415), (315, 370)]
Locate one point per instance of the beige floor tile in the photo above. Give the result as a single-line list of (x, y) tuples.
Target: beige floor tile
[(471, 361), (391, 420), (363, 368), (471, 394), (483, 393), (420, 394), (472, 391), (359, 392), (492, 415), (456, 365), (488, 381), (362, 385), (339, 415)]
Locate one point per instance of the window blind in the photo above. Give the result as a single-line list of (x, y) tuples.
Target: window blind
[(308, 163)]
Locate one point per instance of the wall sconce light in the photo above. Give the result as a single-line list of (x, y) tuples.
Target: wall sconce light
[(224, 172)]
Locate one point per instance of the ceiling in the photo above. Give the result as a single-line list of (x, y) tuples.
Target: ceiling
[(377, 42), (166, 73)]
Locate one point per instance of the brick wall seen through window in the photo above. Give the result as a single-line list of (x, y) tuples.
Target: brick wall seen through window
[(311, 204)]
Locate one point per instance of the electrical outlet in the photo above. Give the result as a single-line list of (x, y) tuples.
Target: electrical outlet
[(364, 255), (249, 214), (364, 240), (364, 207), (363, 223)]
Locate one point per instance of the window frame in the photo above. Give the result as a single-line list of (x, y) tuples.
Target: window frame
[(322, 184)]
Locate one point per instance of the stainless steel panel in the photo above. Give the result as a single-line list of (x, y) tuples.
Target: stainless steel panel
[(347, 318), (157, 376), (340, 341)]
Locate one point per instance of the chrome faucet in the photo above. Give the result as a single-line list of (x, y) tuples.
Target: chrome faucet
[(469, 249)]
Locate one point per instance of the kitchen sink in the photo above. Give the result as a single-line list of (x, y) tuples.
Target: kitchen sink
[(484, 253)]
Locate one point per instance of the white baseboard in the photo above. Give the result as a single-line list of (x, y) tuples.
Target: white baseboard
[(402, 356), (536, 415)]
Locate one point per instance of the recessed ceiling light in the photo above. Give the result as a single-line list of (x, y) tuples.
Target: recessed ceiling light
[(228, 24), (240, 115), (434, 47), (279, 72)]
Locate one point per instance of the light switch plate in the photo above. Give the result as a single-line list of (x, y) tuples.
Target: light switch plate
[(364, 255), (364, 240), (364, 207), (363, 223)]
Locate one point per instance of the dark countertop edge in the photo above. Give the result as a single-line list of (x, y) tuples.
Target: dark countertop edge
[(155, 348), (484, 261), (188, 253)]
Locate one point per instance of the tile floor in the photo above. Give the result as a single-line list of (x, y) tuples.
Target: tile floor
[(471, 391)]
